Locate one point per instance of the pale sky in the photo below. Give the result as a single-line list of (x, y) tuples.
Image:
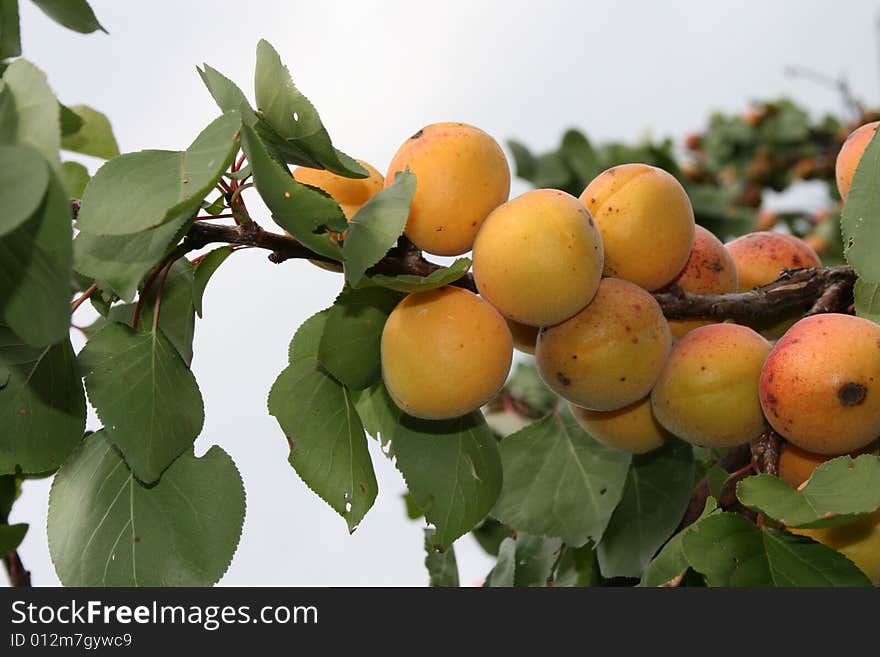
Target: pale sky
[(378, 71)]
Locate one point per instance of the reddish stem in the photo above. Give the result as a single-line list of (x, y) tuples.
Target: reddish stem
[(89, 291)]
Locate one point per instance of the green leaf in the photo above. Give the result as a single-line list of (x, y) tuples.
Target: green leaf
[(503, 572), (413, 512), (658, 488), (294, 118), (524, 561), (70, 120), (489, 535), (10, 489), (24, 178), (671, 562), (11, 537), (730, 551), (578, 567), (412, 283), (328, 447), (377, 416), (529, 391), (559, 482), (838, 491), (42, 405), (37, 122), (95, 135), (305, 212), (350, 342), (203, 272), (376, 227), (144, 394), (717, 478), (860, 223), (523, 160), (10, 34), (226, 94), (867, 297), (35, 270), (76, 177), (307, 338), (139, 191), (580, 156), (75, 15), (107, 529), (441, 565)]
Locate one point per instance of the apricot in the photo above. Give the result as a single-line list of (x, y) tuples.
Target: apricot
[(524, 336), (609, 354), (707, 393), (850, 154), (858, 541), (709, 270), (350, 193), (461, 176), (796, 465), (445, 353), (646, 221), (632, 428), (538, 258), (820, 386)]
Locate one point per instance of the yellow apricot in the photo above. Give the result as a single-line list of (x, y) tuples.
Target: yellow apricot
[(850, 154), (350, 193), (632, 428), (709, 270), (646, 221), (461, 176), (609, 354), (820, 386), (708, 391), (858, 541), (445, 352), (524, 336), (538, 258)]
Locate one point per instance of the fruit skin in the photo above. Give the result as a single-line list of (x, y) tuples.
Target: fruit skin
[(445, 353), (709, 269), (350, 193), (524, 336), (850, 154), (609, 354), (708, 391), (859, 541), (796, 465), (820, 386), (461, 176), (538, 258), (632, 428), (646, 221)]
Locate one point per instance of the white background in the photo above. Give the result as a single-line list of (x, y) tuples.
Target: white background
[(377, 71)]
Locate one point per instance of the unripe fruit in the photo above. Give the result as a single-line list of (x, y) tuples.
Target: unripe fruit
[(820, 387), (350, 193), (632, 428), (796, 465), (538, 258), (850, 154), (461, 176), (708, 391), (610, 353), (524, 336), (708, 270), (646, 221), (858, 541), (445, 352)]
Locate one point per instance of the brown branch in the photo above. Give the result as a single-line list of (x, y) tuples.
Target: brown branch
[(19, 576), (766, 452), (737, 460)]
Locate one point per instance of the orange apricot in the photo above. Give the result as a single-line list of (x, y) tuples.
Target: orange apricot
[(850, 154), (632, 428)]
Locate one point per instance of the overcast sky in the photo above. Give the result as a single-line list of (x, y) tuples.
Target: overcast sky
[(377, 71)]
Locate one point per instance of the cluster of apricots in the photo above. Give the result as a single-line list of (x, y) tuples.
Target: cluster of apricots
[(570, 280)]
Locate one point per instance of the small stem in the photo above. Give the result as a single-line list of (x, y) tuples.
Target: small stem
[(211, 217), (143, 295), (236, 194), (238, 162), (89, 291), (158, 305)]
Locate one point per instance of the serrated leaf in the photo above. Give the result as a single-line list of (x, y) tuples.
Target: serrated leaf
[(203, 272), (107, 529), (307, 339), (10, 32), (42, 405), (412, 283), (294, 118), (75, 15), (304, 212), (374, 229), (226, 94), (144, 394), (730, 551), (328, 447), (867, 298), (349, 348), (35, 270), (37, 123), (375, 413), (11, 537), (139, 191), (658, 488), (838, 491), (94, 136), (76, 177), (860, 222), (441, 565), (24, 179), (559, 482)]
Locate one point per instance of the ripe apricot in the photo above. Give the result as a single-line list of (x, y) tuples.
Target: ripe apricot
[(461, 176), (632, 428), (850, 154), (709, 270), (524, 336), (538, 258), (609, 354), (858, 541), (820, 386), (708, 392), (646, 221), (796, 465), (350, 193), (445, 352)]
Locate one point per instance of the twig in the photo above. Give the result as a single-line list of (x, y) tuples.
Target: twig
[(89, 291)]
